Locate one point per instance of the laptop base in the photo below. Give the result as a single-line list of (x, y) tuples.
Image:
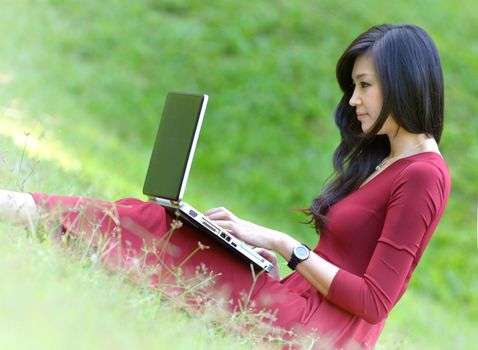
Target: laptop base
[(200, 222)]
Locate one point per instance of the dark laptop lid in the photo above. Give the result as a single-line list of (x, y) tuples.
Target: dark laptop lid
[(175, 144)]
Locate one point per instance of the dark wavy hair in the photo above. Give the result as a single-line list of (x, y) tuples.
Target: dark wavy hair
[(410, 75)]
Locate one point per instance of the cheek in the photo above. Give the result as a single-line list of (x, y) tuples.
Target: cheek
[(375, 107), (378, 103)]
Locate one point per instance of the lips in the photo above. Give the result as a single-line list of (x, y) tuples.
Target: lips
[(361, 115)]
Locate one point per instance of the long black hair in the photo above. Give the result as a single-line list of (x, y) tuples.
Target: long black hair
[(410, 75)]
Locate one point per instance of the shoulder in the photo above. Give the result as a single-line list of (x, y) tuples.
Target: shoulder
[(423, 172), (428, 164)]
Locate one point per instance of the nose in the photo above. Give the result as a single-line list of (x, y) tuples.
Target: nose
[(355, 99)]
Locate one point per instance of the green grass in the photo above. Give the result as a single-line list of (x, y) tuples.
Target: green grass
[(51, 302), (87, 79)]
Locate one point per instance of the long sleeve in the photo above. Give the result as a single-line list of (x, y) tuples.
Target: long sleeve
[(415, 205)]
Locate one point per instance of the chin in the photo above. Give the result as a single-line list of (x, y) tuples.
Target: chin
[(366, 128)]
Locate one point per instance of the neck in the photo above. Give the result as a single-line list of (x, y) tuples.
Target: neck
[(405, 142), (407, 145)]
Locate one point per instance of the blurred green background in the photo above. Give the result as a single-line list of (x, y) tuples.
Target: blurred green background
[(82, 88)]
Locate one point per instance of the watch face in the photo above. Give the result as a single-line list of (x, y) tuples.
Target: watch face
[(301, 252)]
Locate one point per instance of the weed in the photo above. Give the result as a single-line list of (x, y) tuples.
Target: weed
[(90, 231)]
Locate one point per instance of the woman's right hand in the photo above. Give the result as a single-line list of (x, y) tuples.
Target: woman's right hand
[(272, 258)]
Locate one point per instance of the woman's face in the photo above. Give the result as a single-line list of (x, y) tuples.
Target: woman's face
[(367, 97)]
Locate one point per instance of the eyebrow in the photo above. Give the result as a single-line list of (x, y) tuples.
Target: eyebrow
[(361, 75)]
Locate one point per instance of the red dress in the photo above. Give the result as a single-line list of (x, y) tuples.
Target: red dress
[(376, 236)]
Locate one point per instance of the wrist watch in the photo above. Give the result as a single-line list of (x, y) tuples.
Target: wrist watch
[(299, 254)]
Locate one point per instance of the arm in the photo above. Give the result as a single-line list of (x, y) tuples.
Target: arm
[(319, 272), (416, 204), (17, 207), (315, 269)]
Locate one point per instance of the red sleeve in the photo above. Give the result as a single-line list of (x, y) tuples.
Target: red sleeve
[(415, 206)]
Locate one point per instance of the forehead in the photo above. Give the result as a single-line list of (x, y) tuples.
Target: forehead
[(363, 65)]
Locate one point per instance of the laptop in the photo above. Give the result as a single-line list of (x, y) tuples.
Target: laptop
[(169, 167)]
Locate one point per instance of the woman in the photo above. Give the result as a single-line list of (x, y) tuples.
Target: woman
[(375, 217)]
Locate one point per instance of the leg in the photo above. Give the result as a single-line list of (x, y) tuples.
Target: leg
[(141, 233)]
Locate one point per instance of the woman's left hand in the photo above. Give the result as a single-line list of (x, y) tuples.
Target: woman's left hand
[(255, 235)]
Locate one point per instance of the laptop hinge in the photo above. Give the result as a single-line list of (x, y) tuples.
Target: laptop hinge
[(165, 202)]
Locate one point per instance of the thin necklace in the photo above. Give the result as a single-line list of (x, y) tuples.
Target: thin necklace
[(401, 155)]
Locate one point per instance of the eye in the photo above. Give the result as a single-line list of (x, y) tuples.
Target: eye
[(364, 85)]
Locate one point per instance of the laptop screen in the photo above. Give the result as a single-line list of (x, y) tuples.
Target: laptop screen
[(174, 147)]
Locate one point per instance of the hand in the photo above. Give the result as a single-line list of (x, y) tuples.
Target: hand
[(246, 231), (270, 256)]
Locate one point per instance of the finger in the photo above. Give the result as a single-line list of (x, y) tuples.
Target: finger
[(229, 225), (211, 211), (220, 217), (220, 214), (216, 210), (265, 253)]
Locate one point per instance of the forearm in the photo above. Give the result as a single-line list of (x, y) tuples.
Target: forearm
[(17, 207), (315, 269)]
